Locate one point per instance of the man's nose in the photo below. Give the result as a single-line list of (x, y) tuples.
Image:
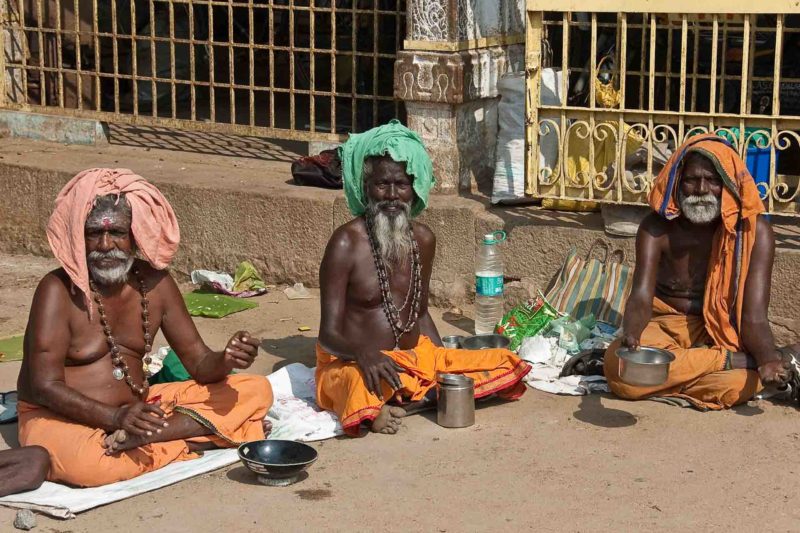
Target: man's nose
[(391, 192), (703, 187), (106, 242)]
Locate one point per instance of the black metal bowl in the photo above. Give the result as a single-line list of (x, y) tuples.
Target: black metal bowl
[(277, 462)]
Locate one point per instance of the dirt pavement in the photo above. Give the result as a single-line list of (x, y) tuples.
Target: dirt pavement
[(544, 463)]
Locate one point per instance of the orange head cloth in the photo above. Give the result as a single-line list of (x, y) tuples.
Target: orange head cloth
[(153, 223), (734, 240)]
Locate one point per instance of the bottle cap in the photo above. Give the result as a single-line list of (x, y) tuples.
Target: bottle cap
[(494, 238)]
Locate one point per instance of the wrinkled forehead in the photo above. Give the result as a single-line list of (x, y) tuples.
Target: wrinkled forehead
[(385, 167), (110, 212), (696, 164)]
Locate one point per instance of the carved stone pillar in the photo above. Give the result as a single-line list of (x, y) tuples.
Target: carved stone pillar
[(447, 74)]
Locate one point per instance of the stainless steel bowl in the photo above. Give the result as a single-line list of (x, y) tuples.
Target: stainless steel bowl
[(482, 342), (644, 367), (277, 462), (452, 341)]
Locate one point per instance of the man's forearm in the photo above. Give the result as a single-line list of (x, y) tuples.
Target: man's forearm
[(336, 345), (637, 316), (73, 405), (211, 368), (758, 341), (428, 328)]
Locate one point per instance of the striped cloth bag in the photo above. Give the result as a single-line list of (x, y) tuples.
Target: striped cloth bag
[(589, 285)]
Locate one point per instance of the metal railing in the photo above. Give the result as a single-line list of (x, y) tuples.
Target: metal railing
[(612, 92), (296, 69)]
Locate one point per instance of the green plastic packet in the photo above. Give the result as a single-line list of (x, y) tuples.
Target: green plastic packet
[(246, 278), (526, 320)]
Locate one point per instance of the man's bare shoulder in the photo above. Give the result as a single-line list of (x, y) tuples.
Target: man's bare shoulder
[(55, 291), (764, 231), (346, 236), (424, 234), (654, 225)]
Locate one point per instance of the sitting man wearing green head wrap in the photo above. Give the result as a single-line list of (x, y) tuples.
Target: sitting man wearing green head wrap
[(379, 350)]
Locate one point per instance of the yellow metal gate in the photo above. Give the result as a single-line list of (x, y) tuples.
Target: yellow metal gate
[(299, 69), (614, 86)]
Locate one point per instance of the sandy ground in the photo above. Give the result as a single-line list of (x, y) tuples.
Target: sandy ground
[(545, 462)]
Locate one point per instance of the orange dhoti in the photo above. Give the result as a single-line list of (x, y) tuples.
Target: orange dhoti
[(235, 406), (697, 374), (341, 387)]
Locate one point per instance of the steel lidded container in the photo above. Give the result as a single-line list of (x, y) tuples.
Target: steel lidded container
[(456, 407)]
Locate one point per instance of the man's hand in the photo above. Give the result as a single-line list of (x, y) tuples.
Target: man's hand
[(140, 418), (630, 342), (376, 366), (241, 350), (774, 372)]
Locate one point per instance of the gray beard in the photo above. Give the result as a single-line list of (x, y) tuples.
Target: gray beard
[(700, 209), (391, 233), (110, 276)]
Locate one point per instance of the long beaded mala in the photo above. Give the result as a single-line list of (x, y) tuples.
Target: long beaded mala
[(415, 287), (121, 370)]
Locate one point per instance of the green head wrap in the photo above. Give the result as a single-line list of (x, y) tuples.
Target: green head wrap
[(399, 143)]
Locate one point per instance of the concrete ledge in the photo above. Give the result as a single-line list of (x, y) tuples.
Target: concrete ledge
[(232, 208), (52, 128)]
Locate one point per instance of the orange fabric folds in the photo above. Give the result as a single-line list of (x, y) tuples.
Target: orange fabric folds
[(697, 373), (236, 406), (733, 243), (341, 388)]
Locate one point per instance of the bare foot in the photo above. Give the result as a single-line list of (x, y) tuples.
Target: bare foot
[(120, 441), (389, 420), (267, 428)]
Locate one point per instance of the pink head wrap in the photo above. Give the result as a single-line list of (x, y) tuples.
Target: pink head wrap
[(154, 226)]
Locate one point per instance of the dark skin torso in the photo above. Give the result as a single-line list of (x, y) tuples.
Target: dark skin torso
[(353, 319), (683, 267), (87, 363), (67, 364), (672, 264)]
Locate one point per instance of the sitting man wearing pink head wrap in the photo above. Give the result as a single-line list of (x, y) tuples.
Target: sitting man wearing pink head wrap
[(83, 393)]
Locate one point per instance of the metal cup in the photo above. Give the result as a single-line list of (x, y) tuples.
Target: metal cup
[(456, 407), (452, 341)]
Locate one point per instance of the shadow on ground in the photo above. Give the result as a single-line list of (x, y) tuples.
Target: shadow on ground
[(592, 411), (294, 349), (8, 432)]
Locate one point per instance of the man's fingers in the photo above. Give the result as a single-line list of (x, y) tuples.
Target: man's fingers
[(376, 383), (147, 426), (155, 410)]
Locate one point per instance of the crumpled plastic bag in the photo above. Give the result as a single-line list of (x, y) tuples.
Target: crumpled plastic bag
[(246, 278), (543, 350), (571, 333), (246, 283)]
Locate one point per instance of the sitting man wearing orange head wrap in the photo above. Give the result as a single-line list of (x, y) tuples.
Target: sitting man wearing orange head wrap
[(702, 283), (83, 393)]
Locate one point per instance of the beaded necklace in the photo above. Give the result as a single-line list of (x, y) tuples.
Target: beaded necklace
[(121, 370), (387, 299)]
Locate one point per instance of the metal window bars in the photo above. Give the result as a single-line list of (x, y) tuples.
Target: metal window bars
[(292, 69), (612, 92)]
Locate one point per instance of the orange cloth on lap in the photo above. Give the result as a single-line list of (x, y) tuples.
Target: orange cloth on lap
[(341, 387), (697, 373), (236, 406)]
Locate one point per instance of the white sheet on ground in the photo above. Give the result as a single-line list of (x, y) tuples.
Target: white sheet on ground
[(61, 501), (294, 415)]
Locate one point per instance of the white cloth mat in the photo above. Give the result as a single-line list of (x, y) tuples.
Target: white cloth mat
[(61, 501), (294, 416), (294, 413)]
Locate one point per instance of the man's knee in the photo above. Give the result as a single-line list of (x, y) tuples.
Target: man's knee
[(251, 386), (29, 467)]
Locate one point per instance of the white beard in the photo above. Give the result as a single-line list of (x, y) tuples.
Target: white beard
[(700, 209), (110, 276), (392, 234)]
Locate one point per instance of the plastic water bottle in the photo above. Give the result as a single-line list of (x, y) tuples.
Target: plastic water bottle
[(489, 283)]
